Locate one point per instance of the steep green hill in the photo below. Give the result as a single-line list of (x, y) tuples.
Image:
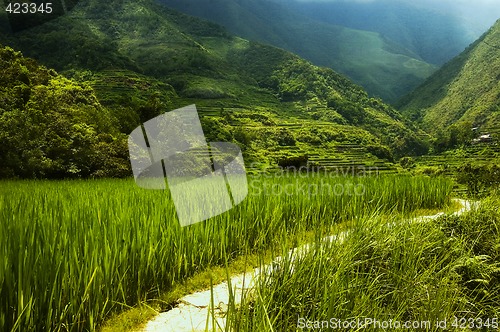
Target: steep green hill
[(465, 92), (143, 59), (383, 67)]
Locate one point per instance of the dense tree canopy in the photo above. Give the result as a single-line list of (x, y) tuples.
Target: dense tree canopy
[(53, 127)]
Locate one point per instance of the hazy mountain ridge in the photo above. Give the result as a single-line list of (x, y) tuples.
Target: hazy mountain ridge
[(384, 68), (431, 35)]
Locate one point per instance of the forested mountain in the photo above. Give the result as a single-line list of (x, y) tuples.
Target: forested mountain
[(464, 93), (384, 67), (143, 59)]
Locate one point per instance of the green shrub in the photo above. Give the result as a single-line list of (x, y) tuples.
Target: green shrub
[(479, 179)]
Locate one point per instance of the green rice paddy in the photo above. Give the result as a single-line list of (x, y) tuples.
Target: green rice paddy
[(72, 253)]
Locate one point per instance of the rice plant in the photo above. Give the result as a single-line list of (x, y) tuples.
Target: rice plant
[(74, 252)]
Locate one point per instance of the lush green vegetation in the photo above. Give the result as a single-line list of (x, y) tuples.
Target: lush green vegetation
[(480, 180), (407, 272), (54, 127), (74, 252)]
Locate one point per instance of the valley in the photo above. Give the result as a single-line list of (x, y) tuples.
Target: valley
[(345, 125)]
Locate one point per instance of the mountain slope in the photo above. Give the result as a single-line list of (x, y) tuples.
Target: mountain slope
[(382, 67), (143, 59), (434, 36), (465, 90)]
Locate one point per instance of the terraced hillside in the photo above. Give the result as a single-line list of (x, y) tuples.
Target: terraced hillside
[(143, 59)]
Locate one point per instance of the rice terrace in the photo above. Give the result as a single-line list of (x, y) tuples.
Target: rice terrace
[(237, 165)]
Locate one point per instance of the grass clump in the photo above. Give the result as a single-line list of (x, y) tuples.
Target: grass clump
[(387, 271)]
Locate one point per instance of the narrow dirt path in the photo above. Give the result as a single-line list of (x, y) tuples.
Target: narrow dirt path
[(195, 312)]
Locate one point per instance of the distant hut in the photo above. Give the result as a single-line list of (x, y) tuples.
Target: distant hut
[(486, 138)]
